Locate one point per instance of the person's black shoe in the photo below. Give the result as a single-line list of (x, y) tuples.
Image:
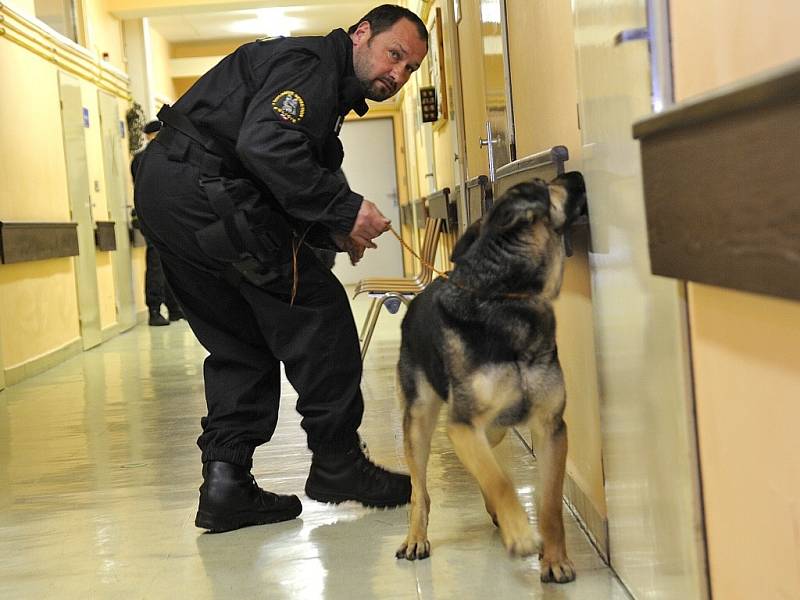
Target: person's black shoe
[(336, 478), (156, 319), (176, 315), (230, 499)]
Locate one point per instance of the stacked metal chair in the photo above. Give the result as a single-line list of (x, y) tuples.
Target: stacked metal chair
[(396, 290)]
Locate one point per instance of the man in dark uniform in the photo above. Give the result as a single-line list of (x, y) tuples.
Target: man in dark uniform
[(240, 183), (156, 291)]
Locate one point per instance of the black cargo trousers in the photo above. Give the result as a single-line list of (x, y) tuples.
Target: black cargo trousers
[(249, 330), (156, 291)]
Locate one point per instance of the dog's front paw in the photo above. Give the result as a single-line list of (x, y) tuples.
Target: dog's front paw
[(521, 541), (414, 549), (556, 570), (522, 546)]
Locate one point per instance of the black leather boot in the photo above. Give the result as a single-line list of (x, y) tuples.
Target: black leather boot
[(352, 476), (230, 499), (156, 319)]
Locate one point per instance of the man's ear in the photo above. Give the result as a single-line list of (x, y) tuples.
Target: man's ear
[(362, 33), (574, 188), (466, 240)]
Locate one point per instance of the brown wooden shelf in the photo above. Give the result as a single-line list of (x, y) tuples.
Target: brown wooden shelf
[(722, 186), (105, 237), (29, 241)]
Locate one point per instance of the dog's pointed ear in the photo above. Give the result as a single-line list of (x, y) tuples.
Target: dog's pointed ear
[(569, 190), (465, 241)]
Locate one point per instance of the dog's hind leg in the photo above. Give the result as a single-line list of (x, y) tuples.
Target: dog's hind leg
[(475, 453), (550, 439), (419, 422)]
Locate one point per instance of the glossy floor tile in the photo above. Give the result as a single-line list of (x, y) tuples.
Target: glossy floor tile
[(98, 489)]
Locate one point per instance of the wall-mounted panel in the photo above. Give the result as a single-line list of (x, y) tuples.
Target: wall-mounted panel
[(721, 184), (22, 242), (104, 236)]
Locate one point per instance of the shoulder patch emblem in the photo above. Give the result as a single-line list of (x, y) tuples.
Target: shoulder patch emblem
[(289, 106)]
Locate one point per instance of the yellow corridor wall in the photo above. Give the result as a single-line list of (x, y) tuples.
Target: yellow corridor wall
[(38, 300), (545, 96), (744, 346)]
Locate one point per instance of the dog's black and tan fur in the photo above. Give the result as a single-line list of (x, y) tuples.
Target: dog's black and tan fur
[(483, 341)]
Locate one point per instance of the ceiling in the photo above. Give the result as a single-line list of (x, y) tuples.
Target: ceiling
[(195, 24)]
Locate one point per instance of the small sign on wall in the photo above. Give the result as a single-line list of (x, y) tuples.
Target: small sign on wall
[(85, 117), (428, 103)]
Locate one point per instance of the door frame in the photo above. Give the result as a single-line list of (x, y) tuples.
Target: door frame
[(507, 92), (453, 49), (512, 134), (471, 9)]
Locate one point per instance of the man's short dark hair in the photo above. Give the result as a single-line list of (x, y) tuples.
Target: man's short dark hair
[(384, 17)]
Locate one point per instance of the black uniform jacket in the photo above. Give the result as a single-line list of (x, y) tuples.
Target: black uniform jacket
[(135, 162), (276, 106)]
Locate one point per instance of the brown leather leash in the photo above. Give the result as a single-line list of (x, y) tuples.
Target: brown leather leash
[(296, 247), (422, 260), (510, 295), (295, 275)]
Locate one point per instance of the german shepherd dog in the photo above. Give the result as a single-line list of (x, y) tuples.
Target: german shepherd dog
[(483, 341)]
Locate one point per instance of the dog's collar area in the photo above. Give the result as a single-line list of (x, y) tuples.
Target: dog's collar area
[(446, 276), (490, 296)]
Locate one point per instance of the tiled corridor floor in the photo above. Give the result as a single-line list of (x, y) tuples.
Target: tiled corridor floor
[(98, 488)]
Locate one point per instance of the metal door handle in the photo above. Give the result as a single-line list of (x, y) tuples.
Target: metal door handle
[(489, 143), (632, 35), (657, 34)]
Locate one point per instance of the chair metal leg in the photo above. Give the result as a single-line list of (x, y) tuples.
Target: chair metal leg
[(372, 306), (374, 314)]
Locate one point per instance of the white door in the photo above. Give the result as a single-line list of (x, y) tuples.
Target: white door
[(80, 208), (114, 166), (649, 443), (369, 164)]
